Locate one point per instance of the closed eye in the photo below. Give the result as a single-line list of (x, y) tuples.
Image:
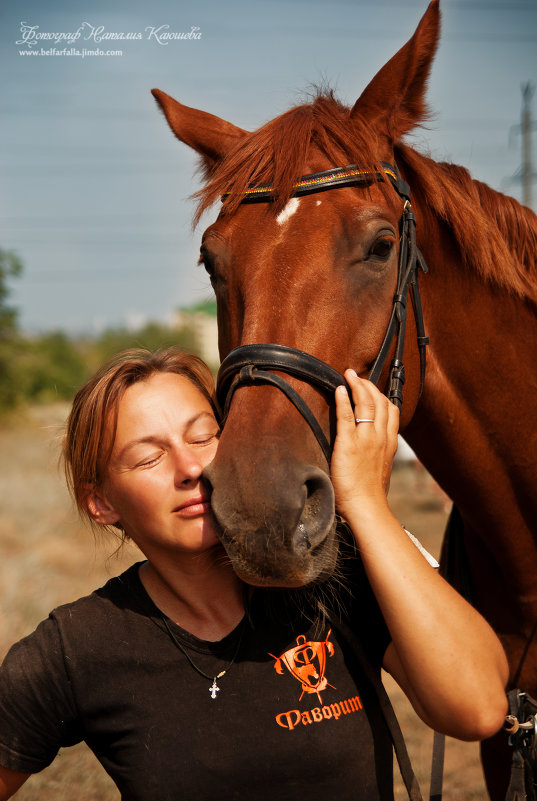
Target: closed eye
[(206, 440), (150, 461)]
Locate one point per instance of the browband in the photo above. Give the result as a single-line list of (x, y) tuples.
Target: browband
[(349, 175)]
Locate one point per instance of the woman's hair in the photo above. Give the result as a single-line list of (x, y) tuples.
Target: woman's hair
[(92, 423)]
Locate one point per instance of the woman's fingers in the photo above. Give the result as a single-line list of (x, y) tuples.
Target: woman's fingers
[(371, 407), (373, 415), (344, 411), (369, 403), (364, 401), (366, 441)]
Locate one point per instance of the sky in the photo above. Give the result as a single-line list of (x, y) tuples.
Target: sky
[(94, 188)]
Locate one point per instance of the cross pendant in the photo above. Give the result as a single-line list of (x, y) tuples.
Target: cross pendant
[(214, 688)]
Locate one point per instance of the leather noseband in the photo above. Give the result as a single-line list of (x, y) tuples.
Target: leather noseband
[(250, 364)]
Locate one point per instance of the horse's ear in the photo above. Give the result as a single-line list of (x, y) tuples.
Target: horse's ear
[(210, 136), (397, 92)]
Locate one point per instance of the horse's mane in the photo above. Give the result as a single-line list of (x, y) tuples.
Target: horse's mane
[(496, 236)]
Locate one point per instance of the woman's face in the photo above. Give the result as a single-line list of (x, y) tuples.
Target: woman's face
[(166, 435)]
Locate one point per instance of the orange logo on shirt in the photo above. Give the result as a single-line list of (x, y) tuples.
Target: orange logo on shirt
[(307, 663)]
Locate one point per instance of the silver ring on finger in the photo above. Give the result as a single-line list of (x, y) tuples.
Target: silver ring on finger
[(363, 420)]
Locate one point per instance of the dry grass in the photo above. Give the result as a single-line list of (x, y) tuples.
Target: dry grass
[(47, 557)]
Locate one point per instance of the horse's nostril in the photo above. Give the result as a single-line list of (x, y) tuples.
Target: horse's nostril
[(318, 511)]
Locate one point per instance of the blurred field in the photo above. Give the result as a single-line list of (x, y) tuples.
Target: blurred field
[(47, 558)]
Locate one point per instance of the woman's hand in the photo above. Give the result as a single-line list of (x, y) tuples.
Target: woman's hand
[(363, 452)]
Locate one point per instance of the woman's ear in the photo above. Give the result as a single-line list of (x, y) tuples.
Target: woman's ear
[(99, 508)]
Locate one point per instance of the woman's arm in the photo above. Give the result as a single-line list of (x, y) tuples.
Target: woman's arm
[(443, 653), (10, 781)]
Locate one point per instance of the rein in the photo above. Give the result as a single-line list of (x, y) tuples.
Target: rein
[(253, 364)]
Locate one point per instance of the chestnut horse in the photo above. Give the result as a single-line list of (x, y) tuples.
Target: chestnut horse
[(317, 271)]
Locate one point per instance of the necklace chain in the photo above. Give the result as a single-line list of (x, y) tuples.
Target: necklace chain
[(214, 688)]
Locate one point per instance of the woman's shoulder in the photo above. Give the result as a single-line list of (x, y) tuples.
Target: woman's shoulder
[(85, 631), (121, 596), (81, 622)]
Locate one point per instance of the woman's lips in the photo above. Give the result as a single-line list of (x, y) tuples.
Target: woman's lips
[(193, 507)]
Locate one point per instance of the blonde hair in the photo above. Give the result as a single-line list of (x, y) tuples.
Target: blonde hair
[(91, 425)]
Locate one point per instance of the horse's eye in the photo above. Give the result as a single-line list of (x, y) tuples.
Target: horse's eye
[(382, 248), (207, 259)]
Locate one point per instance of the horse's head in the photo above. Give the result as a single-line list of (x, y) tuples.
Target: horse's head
[(315, 272)]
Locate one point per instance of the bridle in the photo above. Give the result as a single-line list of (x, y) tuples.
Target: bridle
[(253, 364)]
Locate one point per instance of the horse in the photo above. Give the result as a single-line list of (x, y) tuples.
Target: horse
[(304, 259)]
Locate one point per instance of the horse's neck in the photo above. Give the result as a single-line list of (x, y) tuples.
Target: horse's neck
[(481, 384), (474, 428)]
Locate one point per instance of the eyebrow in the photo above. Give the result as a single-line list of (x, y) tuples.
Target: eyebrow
[(154, 439)]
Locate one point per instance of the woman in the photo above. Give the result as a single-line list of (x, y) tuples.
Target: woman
[(188, 684)]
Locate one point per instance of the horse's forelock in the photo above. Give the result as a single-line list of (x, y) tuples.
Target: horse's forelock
[(277, 152)]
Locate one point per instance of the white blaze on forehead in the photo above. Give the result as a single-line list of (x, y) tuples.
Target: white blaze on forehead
[(288, 211)]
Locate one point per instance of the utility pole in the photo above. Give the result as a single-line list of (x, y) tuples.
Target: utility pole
[(525, 174)]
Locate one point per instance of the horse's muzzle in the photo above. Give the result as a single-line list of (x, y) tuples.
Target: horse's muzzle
[(278, 530)]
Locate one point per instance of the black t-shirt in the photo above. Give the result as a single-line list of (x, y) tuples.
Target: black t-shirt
[(294, 716)]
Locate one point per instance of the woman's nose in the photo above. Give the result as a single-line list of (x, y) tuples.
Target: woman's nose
[(188, 467)]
